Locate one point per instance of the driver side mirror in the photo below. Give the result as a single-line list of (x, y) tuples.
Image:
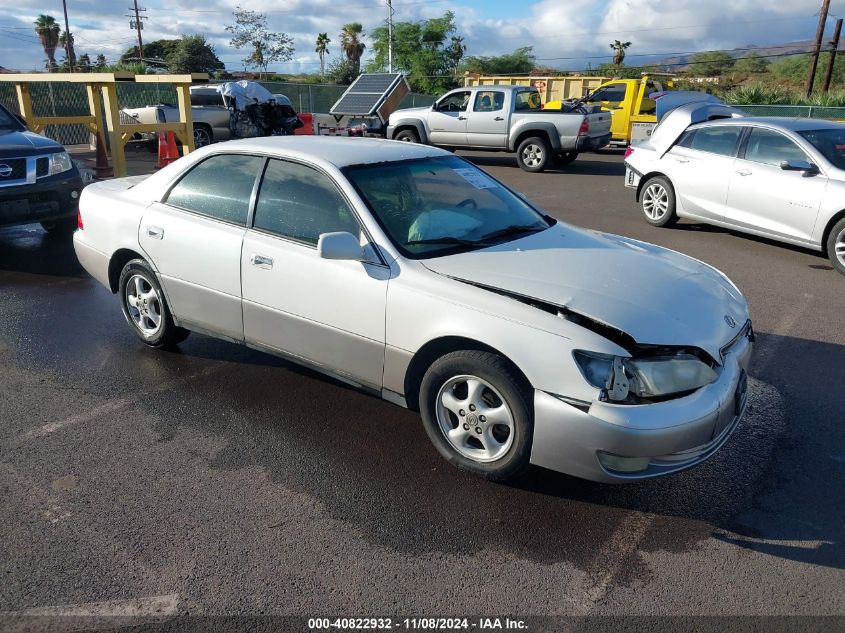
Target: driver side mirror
[(340, 245), (807, 167)]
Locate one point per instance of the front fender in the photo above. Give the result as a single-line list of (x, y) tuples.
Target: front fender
[(417, 124)]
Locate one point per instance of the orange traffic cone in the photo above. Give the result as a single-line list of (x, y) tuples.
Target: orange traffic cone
[(172, 150), (163, 158)]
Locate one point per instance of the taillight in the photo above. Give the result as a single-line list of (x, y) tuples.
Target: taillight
[(585, 127), (628, 151), (79, 219)]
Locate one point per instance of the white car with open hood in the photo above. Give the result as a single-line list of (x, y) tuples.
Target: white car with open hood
[(779, 178), (408, 272)]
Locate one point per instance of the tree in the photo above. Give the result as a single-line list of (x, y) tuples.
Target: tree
[(193, 54), (350, 42), (322, 50), (711, 64), (100, 63), (342, 71), (156, 53), (250, 31), (619, 54), (83, 63), (419, 49), (47, 30), (521, 61), (456, 52), (752, 64), (66, 42)]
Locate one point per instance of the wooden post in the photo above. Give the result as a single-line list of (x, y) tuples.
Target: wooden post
[(814, 59), (183, 94), (25, 105), (834, 46), (109, 92)]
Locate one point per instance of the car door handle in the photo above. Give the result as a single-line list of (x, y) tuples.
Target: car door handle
[(261, 261), (743, 172), (498, 118), (462, 118), (155, 232), (681, 160)]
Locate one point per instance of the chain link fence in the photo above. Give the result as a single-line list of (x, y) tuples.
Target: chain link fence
[(799, 111), (71, 99)]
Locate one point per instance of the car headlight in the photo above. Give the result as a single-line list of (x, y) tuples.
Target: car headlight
[(643, 377), (59, 162)]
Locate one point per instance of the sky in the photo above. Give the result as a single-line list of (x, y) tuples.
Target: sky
[(565, 34)]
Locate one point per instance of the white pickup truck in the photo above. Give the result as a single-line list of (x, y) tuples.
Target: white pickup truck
[(503, 119)]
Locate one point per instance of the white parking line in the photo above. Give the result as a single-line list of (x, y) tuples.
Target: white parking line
[(112, 406), (159, 606)]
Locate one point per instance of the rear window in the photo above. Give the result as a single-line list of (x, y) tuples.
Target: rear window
[(527, 100), (720, 140)]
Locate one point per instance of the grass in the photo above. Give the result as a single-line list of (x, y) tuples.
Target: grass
[(762, 94)]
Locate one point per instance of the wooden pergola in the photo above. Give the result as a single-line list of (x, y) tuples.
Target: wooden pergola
[(105, 84)]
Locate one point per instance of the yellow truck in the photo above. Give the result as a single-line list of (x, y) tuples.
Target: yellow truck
[(632, 112)]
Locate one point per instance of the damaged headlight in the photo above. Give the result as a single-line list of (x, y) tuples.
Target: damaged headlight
[(643, 377)]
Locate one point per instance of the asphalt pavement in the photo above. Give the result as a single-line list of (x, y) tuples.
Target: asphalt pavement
[(219, 480)]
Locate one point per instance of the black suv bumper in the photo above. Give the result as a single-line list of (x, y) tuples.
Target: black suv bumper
[(51, 198)]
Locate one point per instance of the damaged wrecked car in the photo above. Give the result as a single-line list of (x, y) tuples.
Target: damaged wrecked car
[(410, 273)]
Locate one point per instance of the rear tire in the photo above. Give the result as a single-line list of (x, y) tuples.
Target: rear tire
[(62, 226), (836, 246), (145, 307), (477, 412), (657, 202), (202, 136), (407, 136), (565, 159), (533, 154)]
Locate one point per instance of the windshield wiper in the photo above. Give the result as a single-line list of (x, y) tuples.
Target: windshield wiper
[(513, 229), (446, 239)]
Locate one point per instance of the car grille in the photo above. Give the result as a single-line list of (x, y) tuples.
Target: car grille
[(12, 169), (42, 167)]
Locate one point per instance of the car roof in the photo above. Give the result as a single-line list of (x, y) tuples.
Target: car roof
[(794, 124), (334, 150)]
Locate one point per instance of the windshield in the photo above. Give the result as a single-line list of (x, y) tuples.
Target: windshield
[(436, 206), (830, 142), (8, 122)]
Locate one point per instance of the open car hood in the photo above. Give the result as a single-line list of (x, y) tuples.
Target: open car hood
[(655, 295)]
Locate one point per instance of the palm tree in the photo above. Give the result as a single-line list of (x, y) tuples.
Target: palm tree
[(66, 42), (619, 55), (456, 51), (47, 30), (322, 50), (350, 42)]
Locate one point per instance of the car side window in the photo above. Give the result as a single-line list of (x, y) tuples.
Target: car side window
[(456, 102), (770, 147), (614, 94), (300, 203), (489, 101), (720, 140), (219, 187)]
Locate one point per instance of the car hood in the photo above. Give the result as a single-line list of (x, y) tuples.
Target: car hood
[(14, 144), (655, 295)]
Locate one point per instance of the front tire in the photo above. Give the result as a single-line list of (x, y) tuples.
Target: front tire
[(407, 136), (145, 308), (476, 411), (657, 202), (533, 154), (836, 246)]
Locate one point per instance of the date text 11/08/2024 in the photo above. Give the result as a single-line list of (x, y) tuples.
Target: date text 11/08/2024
[(416, 624)]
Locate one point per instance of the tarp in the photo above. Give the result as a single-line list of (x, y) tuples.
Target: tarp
[(245, 93)]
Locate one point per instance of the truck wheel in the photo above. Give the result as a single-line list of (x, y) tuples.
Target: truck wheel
[(533, 154), (202, 136), (658, 202), (408, 136), (565, 158)]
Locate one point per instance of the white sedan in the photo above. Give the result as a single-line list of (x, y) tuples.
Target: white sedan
[(408, 272), (779, 178)]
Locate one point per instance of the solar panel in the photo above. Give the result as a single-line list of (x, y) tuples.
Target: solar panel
[(367, 93)]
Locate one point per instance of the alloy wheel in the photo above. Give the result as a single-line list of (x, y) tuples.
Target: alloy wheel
[(532, 155), (474, 418), (839, 247), (655, 201), (143, 305)]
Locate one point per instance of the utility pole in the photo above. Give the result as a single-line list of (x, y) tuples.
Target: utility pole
[(814, 59), (834, 46), (67, 39), (138, 25), (390, 36)]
